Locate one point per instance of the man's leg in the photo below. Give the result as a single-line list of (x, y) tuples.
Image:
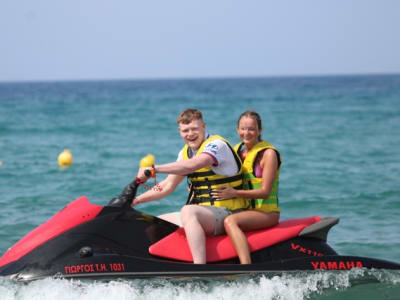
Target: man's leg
[(174, 217), (198, 222)]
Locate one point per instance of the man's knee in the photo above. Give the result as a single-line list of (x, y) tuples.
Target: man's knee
[(188, 212), (186, 209)]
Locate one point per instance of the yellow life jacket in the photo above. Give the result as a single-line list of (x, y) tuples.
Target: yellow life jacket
[(202, 181), (251, 182)]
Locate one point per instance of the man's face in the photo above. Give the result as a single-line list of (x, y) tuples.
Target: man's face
[(193, 133)]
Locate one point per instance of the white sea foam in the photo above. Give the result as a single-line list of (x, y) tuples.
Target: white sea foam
[(293, 286)]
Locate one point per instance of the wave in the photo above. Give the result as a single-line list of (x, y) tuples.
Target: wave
[(370, 284)]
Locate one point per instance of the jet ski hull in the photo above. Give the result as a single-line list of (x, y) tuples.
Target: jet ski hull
[(116, 241), (111, 266)]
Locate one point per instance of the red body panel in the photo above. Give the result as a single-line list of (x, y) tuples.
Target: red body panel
[(174, 246), (75, 213)]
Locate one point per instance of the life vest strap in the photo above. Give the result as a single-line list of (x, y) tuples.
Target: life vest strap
[(198, 200), (207, 183), (201, 174)]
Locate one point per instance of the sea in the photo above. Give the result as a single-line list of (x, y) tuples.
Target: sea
[(339, 137)]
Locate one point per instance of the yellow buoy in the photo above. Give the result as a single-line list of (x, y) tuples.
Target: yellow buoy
[(65, 158), (1, 163), (147, 161)]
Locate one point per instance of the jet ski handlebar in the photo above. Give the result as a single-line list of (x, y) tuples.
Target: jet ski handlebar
[(147, 172), (125, 199)]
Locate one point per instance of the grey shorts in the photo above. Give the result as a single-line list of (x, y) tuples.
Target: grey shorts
[(220, 214)]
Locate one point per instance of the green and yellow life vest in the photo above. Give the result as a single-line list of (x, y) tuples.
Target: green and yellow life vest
[(204, 180), (251, 182)]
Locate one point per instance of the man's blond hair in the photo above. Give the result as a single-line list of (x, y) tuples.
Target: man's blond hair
[(189, 115)]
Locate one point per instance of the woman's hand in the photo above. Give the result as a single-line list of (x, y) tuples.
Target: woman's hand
[(224, 193)]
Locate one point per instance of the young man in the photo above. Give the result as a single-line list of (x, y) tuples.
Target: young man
[(210, 163)]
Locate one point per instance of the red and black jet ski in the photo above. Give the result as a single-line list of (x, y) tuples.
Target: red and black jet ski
[(84, 240)]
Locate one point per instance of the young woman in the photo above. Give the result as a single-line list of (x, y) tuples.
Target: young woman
[(261, 166)]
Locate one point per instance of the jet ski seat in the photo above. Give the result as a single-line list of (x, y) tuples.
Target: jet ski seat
[(219, 248)]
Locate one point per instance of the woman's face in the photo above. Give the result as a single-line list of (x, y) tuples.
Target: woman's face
[(248, 131)]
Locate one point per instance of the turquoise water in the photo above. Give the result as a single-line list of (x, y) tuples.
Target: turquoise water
[(339, 139)]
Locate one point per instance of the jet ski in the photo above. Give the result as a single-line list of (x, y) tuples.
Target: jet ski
[(85, 240)]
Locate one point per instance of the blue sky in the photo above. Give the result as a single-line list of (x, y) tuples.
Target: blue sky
[(128, 39)]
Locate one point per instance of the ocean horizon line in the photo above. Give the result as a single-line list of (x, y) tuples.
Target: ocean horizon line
[(194, 78)]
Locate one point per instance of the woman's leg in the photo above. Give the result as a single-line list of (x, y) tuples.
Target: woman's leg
[(198, 222), (247, 220), (237, 237)]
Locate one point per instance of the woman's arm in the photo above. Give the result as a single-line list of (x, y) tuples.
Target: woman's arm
[(269, 165)]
